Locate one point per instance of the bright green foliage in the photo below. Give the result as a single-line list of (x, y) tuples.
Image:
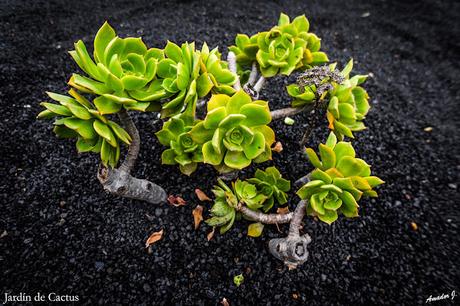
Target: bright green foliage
[(223, 210), (338, 182), (302, 95), (285, 48), (238, 279), (187, 74), (271, 185), (175, 134), (246, 49), (122, 69), (126, 72), (256, 193), (234, 132), (84, 120), (348, 104)]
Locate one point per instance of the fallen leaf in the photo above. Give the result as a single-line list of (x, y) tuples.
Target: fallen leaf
[(198, 215), (211, 233), (295, 296), (366, 14), (278, 147), (4, 234), (255, 229), (201, 195), (176, 201), (154, 238), (282, 210), (224, 302), (428, 129), (414, 226)]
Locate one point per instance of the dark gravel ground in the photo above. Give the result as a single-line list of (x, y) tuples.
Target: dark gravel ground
[(64, 235)]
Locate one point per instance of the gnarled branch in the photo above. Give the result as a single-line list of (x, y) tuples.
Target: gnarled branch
[(264, 218), (290, 111), (120, 182), (231, 59), (292, 250)]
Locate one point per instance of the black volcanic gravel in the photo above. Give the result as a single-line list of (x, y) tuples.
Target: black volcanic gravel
[(64, 235)]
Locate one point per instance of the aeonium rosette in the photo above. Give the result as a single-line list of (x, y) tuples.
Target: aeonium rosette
[(175, 134), (338, 182), (122, 69), (234, 132)]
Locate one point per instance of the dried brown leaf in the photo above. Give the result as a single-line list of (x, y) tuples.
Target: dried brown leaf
[(282, 210), (211, 233), (278, 147), (201, 195), (176, 200), (414, 226), (224, 302), (197, 215), (154, 238)]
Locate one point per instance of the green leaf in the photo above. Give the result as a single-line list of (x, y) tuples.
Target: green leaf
[(283, 20), (350, 166), (106, 106), (236, 160), (105, 34), (256, 147), (94, 86), (237, 101), (46, 114), (327, 157), (313, 158), (255, 229), (231, 121), (57, 109), (318, 174), (349, 205), (82, 127), (173, 51), (343, 149), (200, 134), (255, 115), (214, 117), (211, 156), (329, 216), (79, 112), (104, 131), (120, 132), (374, 181), (331, 142), (64, 132)]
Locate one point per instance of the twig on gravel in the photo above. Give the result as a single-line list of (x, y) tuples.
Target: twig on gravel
[(290, 111), (119, 181), (292, 250), (264, 218), (231, 59)]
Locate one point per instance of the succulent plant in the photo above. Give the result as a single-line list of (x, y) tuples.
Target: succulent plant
[(272, 186), (223, 210), (86, 121), (234, 132), (313, 85), (245, 49), (338, 182), (287, 47), (187, 74), (122, 69), (175, 134), (348, 104)]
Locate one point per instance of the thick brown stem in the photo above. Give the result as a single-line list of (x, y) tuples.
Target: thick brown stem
[(290, 111), (264, 218), (292, 250), (120, 182), (134, 147)]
